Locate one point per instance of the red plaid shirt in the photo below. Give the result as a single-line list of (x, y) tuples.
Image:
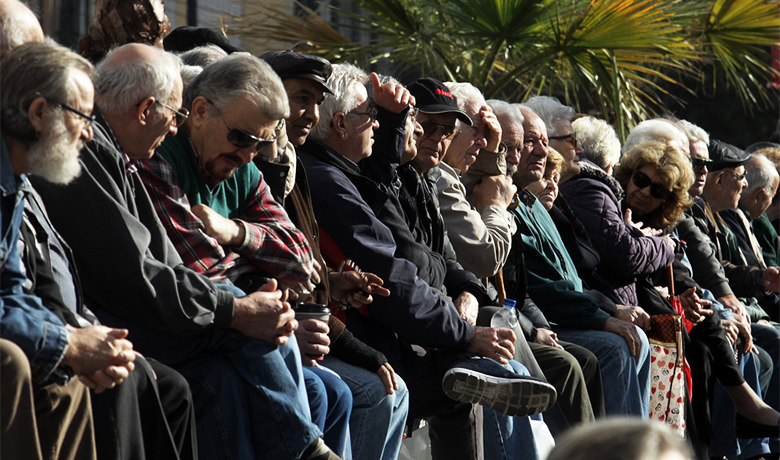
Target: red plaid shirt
[(272, 245)]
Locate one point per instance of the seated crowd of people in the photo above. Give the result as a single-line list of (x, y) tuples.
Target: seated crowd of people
[(209, 254)]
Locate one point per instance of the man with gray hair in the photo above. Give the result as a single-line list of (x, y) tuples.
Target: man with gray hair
[(599, 142), (18, 25), (562, 137), (133, 276)]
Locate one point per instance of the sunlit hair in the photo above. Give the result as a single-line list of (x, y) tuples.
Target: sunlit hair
[(240, 75), (202, 56), (18, 25), (599, 141), (344, 98), (694, 133), (505, 109), (555, 162), (761, 173), (550, 110), (31, 71), (634, 439), (674, 173), (119, 87), (658, 130), (470, 99)]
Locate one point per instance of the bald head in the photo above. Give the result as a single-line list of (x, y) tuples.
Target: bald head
[(18, 25), (134, 72)]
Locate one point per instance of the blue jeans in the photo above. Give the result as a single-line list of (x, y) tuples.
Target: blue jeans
[(626, 379), (378, 419), (508, 437), (249, 395), (330, 402)]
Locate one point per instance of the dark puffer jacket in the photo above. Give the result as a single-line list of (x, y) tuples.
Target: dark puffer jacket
[(625, 252)]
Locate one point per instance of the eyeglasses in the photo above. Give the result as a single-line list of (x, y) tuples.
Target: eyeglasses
[(179, 115), (90, 118), (739, 177), (372, 113), (431, 128), (572, 137), (243, 139), (657, 190), (699, 163)]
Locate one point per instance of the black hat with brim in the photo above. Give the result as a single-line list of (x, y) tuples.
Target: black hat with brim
[(289, 64), (433, 97), (725, 155)]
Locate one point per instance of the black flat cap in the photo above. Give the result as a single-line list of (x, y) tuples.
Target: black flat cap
[(185, 38), (433, 97), (289, 64), (725, 155)]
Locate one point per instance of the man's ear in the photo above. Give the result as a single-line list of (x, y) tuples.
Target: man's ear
[(35, 113), (143, 109), (199, 112), (339, 125)]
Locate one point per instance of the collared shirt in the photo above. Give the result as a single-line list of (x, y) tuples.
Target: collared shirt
[(23, 318), (272, 245)]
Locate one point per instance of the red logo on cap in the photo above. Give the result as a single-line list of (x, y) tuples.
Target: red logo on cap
[(444, 93)]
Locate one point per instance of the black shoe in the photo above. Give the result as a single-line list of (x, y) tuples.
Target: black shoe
[(745, 428), (483, 381)]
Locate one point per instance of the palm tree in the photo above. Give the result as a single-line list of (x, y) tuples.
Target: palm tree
[(616, 57)]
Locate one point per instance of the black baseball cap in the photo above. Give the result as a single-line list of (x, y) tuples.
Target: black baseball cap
[(433, 97), (725, 155), (185, 38), (289, 64)]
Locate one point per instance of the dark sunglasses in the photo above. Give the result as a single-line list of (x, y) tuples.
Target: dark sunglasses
[(242, 139), (179, 115), (430, 128), (571, 137), (90, 118), (657, 190), (699, 163)]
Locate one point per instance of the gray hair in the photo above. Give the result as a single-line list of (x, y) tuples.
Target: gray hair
[(344, 98), (550, 110), (118, 88), (505, 109), (470, 99), (188, 73), (203, 55), (694, 133), (761, 173), (31, 71), (599, 141), (18, 25), (656, 130), (240, 75)]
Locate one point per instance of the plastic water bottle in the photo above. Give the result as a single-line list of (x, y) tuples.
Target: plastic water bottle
[(506, 317)]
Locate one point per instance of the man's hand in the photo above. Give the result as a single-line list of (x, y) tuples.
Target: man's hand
[(627, 331), (771, 279), (387, 374), (746, 336), (313, 340), (547, 337), (731, 330), (496, 343), (100, 356), (497, 190), (390, 96), (731, 302), (355, 288), (265, 315), (646, 231), (492, 128), (467, 306), (696, 309), (227, 232), (634, 315)]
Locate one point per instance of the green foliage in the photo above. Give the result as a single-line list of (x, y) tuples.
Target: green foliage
[(618, 57)]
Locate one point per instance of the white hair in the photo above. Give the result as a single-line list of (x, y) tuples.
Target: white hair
[(118, 88), (761, 173), (599, 141), (694, 133), (470, 99), (656, 130), (505, 109), (550, 110), (202, 56), (343, 99)]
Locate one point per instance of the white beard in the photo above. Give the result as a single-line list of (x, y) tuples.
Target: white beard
[(53, 158)]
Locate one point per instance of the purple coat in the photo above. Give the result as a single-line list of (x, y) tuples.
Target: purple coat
[(625, 252)]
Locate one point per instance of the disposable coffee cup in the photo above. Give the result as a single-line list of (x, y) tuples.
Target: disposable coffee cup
[(306, 310)]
